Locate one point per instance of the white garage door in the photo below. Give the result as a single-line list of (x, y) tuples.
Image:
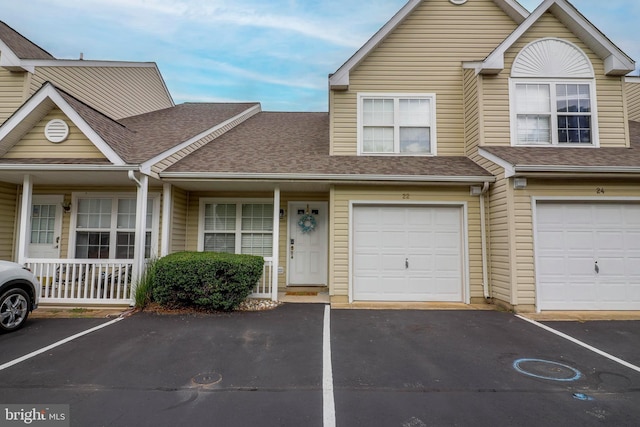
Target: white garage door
[(588, 256), (407, 253)]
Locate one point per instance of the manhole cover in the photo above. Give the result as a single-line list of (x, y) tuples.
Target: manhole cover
[(207, 378), (546, 370)]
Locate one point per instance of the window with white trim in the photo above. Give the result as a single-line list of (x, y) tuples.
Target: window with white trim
[(553, 113), (105, 227), (553, 96), (237, 227), (401, 124)]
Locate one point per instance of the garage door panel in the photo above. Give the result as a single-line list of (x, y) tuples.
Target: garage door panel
[(420, 256), (570, 239)]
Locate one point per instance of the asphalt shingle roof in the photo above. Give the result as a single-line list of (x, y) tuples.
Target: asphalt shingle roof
[(22, 47), (574, 156), (298, 143)]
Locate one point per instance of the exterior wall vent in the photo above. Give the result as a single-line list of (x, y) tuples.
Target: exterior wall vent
[(56, 131)]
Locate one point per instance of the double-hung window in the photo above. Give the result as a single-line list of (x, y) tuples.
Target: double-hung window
[(553, 113), (240, 227), (396, 124), (105, 227)]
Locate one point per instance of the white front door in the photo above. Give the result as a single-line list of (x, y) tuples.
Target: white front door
[(588, 256), (307, 249), (45, 227), (407, 253)]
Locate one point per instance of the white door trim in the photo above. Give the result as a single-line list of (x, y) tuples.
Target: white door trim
[(325, 206), (561, 199), (53, 199), (464, 231)]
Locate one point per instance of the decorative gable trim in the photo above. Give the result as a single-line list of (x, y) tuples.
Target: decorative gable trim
[(616, 62), (551, 58), (340, 79), (36, 108)]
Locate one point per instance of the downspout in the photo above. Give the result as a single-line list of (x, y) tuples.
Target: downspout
[(483, 242)]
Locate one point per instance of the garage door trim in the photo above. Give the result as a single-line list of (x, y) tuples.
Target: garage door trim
[(387, 203), (535, 201)]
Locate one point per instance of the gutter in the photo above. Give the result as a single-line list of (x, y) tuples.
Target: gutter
[(199, 176), (66, 167)]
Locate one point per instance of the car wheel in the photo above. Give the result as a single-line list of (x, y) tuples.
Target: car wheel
[(14, 309)]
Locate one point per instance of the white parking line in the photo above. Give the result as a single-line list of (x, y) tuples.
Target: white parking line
[(583, 344), (58, 343), (328, 404)]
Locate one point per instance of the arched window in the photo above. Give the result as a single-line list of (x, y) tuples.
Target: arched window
[(553, 95)]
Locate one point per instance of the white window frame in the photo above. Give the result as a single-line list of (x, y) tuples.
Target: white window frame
[(238, 230), (153, 198), (396, 97), (513, 82)]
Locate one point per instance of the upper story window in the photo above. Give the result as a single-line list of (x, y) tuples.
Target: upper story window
[(553, 96), (396, 124)]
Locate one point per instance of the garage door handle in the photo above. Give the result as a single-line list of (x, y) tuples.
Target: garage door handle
[(406, 263), (597, 268)]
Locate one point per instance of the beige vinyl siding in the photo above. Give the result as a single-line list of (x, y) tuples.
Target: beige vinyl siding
[(179, 220), (471, 92), (523, 222), (424, 55), (11, 92), (339, 224), (8, 225), (115, 91), (633, 100), (35, 145), (609, 90)]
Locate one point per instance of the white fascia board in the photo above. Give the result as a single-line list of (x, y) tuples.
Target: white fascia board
[(10, 60), (515, 10), (200, 176), (48, 91), (509, 169), (146, 166), (85, 63), (40, 167), (616, 61), (520, 169), (341, 77), (632, 79)]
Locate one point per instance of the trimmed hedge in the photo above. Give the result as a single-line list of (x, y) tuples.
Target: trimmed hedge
[(205, 280)]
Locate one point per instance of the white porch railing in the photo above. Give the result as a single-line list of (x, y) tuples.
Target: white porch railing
[(264, 287), (84, 281)]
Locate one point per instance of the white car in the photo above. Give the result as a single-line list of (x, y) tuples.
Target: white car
[(19, 295)]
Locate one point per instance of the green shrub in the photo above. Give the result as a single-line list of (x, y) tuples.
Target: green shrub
[(144, 285), (205, 280)]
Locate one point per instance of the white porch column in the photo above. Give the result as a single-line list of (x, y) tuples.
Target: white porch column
[(141, 225), (25, 218), (167, 202), (275, 244)]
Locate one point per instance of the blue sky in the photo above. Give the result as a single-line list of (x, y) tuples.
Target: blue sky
[(277, 52)]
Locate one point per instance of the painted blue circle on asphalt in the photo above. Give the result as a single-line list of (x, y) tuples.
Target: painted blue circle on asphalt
[(572, 373)]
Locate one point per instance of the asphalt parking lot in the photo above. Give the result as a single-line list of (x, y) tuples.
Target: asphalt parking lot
[(387, 368)]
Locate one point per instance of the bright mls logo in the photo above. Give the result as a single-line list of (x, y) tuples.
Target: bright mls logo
[(38, 415)]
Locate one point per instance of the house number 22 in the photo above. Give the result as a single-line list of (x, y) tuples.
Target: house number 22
[(405, 196)]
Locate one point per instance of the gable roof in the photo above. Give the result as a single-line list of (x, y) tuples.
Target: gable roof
[(340, 79), (132, 140), (616, 62), (524, 160), (274, 145), (20, 45)]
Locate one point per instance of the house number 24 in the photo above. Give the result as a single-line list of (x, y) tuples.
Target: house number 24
[(599, 190)]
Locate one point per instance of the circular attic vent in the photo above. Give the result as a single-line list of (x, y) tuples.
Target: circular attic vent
[(56, 131)]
